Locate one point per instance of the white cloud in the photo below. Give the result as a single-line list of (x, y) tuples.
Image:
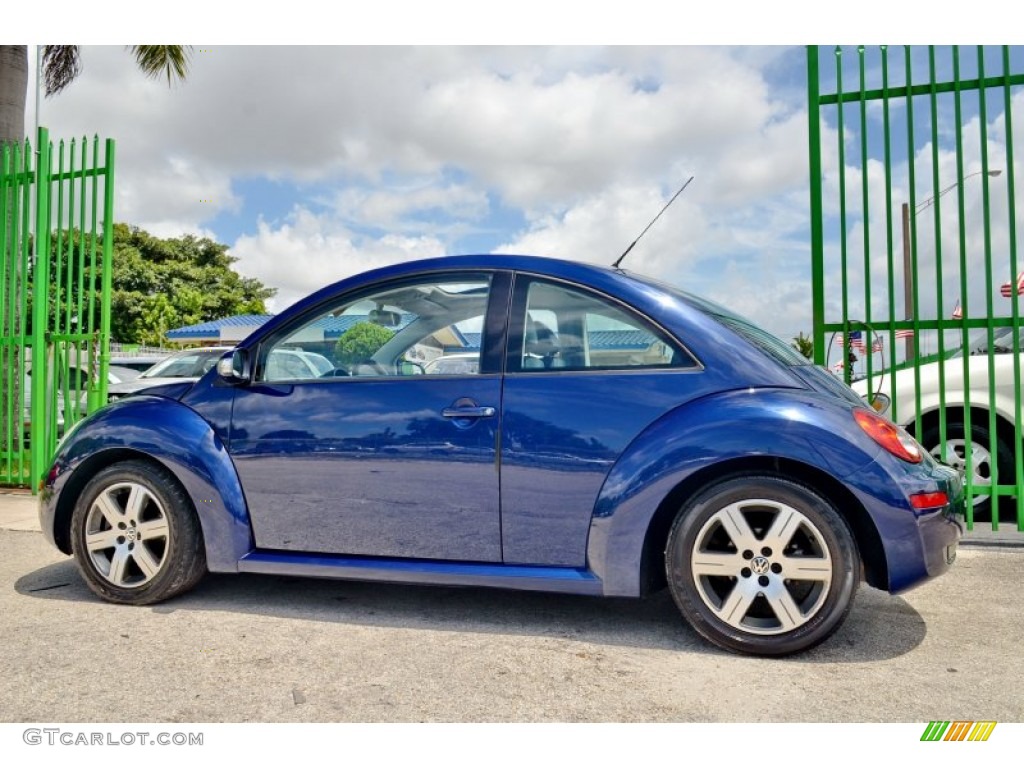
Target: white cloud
[(308, 252), (426, 144), (386, 207)]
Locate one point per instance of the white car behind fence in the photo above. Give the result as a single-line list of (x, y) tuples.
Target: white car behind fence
[(980, 409)]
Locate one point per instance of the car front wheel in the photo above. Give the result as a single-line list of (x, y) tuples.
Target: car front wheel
[(762, 565), (135, 535)]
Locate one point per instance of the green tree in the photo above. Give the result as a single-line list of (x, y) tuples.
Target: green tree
[(158, 284), (804, 345), (195, 276), (360, 342)]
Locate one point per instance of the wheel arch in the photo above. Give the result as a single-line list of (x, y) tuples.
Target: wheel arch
[(83, 473), (979, 415), (162, 432), (865, 534), (799, 434)]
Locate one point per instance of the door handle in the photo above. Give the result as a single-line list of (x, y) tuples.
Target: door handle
[(469, 412)]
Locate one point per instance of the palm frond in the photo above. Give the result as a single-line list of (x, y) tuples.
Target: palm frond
[(155, 60), (61, 65)]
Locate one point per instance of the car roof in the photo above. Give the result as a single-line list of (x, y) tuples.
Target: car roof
[(612, 280)]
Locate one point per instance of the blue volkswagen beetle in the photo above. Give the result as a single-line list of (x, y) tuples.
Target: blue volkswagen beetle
[(603, 434)]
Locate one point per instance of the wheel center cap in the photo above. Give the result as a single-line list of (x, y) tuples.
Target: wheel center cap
[(760, 565), (131, 534)]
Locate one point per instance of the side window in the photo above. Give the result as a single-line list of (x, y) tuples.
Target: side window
[(288, 364), (571, 329), (408, 329)]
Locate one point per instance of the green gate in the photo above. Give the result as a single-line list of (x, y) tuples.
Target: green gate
[(917, 283), (56, 235)]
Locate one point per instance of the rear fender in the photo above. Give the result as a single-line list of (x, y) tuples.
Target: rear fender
[(695, 441)]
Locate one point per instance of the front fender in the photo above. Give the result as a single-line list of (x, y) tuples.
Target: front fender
[(172, 434), (791, 425)]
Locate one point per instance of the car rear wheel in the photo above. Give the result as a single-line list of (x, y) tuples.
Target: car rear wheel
[(762, 565), (135, 535), (982, 466)]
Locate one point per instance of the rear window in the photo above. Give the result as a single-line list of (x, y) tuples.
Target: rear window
[(766, 342), (763, 340)]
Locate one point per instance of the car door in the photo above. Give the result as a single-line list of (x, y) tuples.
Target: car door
[(376, 456), (585, 375)]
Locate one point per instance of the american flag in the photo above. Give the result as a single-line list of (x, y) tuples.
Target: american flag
[(1007, 289), (957, 312), (856, 339), (904, 334)]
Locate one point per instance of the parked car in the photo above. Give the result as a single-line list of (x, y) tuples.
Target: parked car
[(459, 362), (190, 364), (71, 386), (137, 363), (179, 367), (709, 457), (895, 395)]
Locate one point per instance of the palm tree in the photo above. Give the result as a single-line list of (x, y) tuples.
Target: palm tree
[(804, 345), (13, 87), (61, 64)]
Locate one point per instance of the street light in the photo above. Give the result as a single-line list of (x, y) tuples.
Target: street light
[(908, 281)]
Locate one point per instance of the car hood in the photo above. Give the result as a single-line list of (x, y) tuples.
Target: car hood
[(901, 386), (978, 370)]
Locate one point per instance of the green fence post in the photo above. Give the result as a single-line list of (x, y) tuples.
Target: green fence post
[(108, 268), (40, 305), (817, 251)]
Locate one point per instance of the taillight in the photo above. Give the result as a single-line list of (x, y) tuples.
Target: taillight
[(929, 500), (894, 439)]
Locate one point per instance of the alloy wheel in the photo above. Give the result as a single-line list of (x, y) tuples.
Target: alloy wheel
[(126, 534), (761, 566)]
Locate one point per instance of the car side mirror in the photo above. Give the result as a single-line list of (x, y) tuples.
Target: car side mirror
[(234, 366)]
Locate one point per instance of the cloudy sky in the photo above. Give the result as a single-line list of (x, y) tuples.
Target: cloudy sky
[(316, 162)]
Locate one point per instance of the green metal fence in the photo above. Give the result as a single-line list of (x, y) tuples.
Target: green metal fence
[(917, 281), (56, 237)]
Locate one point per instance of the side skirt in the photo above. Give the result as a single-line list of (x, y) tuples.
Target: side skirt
[(527, 577)]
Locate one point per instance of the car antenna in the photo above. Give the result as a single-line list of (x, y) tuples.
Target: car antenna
[(619, 260)]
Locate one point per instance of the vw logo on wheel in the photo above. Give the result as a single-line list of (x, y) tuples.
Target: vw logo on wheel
[(759, 565)]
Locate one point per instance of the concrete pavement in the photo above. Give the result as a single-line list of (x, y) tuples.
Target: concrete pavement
[(18, 511), (268, 649)]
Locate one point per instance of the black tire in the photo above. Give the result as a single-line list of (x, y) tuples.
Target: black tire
[(732, 574), (135, 535), (955, 456)]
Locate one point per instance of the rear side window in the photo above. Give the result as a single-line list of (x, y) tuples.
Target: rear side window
[(766, 342), (763, 340), (570, 329)]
